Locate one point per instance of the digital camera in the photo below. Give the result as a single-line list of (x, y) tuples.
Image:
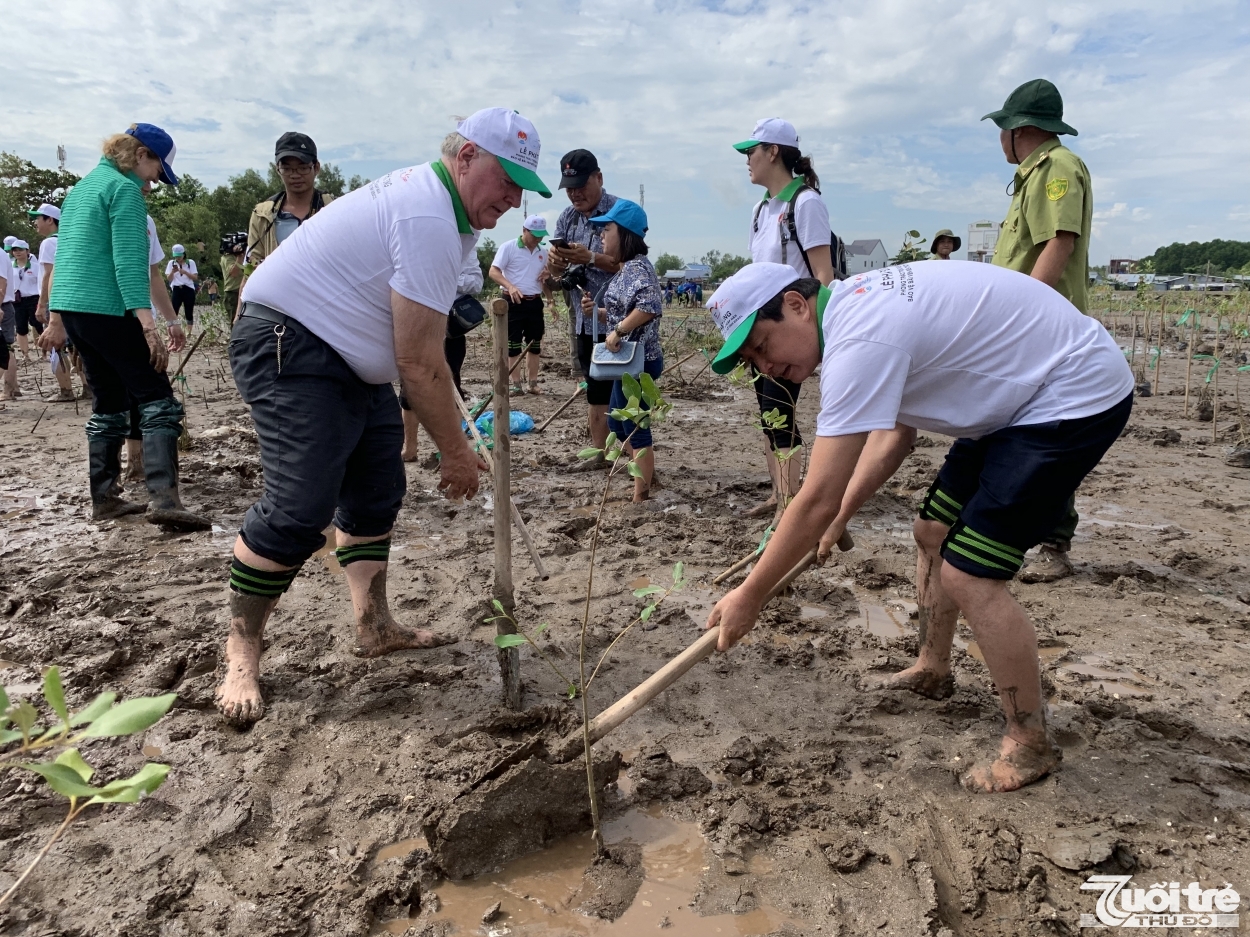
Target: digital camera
[(574, 278), (230, 241)]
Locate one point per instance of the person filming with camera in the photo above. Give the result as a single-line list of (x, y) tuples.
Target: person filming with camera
[(578, 264)]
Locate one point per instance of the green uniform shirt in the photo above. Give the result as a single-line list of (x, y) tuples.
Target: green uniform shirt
[(231, 281), (1053, 194)]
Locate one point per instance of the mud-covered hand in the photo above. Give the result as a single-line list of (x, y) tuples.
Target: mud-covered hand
[(177, 337), (458, 472), (736, 614), (830, 540), (158, 352), (53, 336)]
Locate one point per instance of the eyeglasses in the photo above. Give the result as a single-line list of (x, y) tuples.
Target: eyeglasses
[(298, 169)]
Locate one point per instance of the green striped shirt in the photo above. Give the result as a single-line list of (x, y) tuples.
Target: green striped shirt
[(102, 250)]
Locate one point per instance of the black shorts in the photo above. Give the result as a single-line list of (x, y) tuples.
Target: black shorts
[(1004, 493), (25, 315), (781, 395), (598, 393), (329, 442), (525, 326)]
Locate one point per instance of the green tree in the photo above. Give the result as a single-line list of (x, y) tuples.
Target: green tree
[(723, 265), (233, 202), (25, 186), (357, 182), (330, 179), (1225, 257), (485, 256), (668, 262)]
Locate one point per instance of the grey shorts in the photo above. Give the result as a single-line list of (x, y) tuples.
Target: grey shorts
[(8, 323), (329, 442)]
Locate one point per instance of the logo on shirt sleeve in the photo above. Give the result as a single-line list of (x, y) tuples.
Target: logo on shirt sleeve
[(1056, 189)]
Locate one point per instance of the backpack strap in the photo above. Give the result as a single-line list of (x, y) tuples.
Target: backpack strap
[(792, 227)]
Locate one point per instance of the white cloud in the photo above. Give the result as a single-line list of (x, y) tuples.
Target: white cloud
[(887, 96)]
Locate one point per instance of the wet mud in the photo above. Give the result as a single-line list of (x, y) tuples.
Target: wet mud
[(764, 793)]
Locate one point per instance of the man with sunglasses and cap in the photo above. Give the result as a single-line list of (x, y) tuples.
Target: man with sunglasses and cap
[(582, 179), (1034, 393), (519, 268), (348, 306), (277, 217), (1046, 235)]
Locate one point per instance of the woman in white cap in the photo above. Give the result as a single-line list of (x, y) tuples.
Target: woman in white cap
[(182, 277), (25, 294), (790, 225)]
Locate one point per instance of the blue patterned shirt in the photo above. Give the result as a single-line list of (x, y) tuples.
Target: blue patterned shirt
[(636, 287), (577, 229)]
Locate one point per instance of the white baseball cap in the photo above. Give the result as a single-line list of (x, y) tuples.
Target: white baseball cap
[(512, 140), (8, 242), (19, 243), (770, 130), (737, 300), (47, 210), (536, 225), (178, 250)]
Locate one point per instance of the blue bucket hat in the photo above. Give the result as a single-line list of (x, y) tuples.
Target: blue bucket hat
[(629, 215), (162, 146)]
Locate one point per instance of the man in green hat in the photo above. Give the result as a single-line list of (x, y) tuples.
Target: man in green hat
[(1046, 235), (944, 244)]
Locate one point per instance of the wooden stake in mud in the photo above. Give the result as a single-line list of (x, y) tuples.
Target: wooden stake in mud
[(1215, 383), (1189, 365), (564, 406), (509, 658), (1163, 305)]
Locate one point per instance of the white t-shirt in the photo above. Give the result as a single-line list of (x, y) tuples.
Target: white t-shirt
[(26, 278), (47, 258), (156, 253), (960, 349), (335, 274), (470, 281), (10, 278), (811, 220), (522, 267), (181, 279)]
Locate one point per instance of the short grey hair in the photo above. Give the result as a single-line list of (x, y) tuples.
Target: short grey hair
[(452, 144)]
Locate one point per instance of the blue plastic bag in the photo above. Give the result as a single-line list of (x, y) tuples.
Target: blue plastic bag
[(518, 423)]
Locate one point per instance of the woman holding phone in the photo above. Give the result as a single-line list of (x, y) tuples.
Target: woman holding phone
[(634, 303), (790, 225)]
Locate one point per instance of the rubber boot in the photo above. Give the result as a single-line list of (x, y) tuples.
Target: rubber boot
[(104, 468), (160, 462)]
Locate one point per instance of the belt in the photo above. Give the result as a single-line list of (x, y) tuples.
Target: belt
[(526, 299), (258, 311)]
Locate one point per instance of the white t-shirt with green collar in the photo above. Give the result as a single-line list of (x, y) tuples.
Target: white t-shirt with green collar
[(770, 232)]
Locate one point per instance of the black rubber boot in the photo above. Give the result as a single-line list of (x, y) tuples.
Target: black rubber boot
[(104, 469), (160, 463)]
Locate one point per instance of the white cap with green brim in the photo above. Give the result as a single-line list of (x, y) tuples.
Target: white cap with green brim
[(536, 225), (771, 130), (512, 140), (738, 299)]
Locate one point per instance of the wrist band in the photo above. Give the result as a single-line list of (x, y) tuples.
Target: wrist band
[(377, 551)]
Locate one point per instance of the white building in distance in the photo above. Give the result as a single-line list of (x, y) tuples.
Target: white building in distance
[(982, 239), (865, 255)]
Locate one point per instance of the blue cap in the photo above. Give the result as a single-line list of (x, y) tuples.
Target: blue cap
[(162, 146), (629, 215)]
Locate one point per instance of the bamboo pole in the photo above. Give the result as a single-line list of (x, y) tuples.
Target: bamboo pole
[(1189, 365), (1163, 303), (564, 406), (509, 658), (1215, 383)]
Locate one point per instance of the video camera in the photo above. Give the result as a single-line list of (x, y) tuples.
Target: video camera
[(573, 278), (230, 241)]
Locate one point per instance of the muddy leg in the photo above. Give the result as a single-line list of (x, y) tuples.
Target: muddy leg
[(377, 633), (931, 675), (238, 697), (1009, 644), (412, 440), (774, 475)]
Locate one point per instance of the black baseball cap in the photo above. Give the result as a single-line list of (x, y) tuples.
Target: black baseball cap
[(299, 145), (576, 167)]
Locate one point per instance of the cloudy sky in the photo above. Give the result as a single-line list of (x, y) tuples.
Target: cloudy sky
[(886, 96)]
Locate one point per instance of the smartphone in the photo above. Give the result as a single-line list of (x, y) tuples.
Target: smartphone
[(561, 243)]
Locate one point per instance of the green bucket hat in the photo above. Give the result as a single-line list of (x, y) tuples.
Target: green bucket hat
[(947, 233), (1035, 103)]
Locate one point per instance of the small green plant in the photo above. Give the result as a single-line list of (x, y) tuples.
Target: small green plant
[(69, 774), (912, 249)]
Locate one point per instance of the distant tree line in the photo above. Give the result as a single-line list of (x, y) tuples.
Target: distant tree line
[(189, 214), (1225, 258)]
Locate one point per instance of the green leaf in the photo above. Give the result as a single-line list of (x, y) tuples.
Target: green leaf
[(9, 735), (498, 606), (54, 693), (633, 391), (97, 708), (571, 691), (634, 470), (62, 778), (640, 453), (610, 441), (589, 453), (650, 393), (4, 701), (646, 591), (679, 570), (613, 454), (131, 789), (541, 628), (913, 234), (505, 641), (130, 717), (646, 612), (24, 717), (71, 759)]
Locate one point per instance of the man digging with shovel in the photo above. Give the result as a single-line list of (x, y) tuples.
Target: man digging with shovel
[(358, 298), (1035, 393)]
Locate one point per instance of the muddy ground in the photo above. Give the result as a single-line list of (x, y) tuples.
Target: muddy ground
[(803, 804)]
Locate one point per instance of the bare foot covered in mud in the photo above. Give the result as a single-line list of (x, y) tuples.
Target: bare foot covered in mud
[(922, 682), (377, 633), (238, 697), (1016, 765)]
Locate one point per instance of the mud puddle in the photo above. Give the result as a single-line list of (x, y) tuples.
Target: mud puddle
[(534, 892), (882, 622), (1111, 678), (1047, 653)]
